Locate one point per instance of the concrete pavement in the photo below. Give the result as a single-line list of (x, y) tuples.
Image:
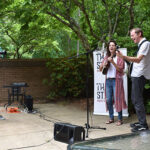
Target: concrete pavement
[(35, 131)]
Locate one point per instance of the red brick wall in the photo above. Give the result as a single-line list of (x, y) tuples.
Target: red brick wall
[(31, 71)]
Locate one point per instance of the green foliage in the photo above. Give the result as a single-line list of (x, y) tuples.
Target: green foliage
[(125, 42), (30, 28), (67, 77), (148, 107), (27, 32), (147, 96), (147, 86)]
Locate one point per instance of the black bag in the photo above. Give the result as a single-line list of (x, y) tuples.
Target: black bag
[(28, 102), (130, 66)]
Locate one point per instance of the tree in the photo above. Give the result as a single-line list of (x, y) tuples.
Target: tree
[(24, 31), (99, 20)]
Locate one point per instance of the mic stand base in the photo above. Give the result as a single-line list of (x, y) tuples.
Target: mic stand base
[(87, 126)]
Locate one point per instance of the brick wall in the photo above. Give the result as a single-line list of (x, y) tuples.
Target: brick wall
[(31, 71)]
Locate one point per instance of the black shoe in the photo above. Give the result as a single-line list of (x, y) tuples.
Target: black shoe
[(2, 118), (132, 125), (139, 128), (32, 111)]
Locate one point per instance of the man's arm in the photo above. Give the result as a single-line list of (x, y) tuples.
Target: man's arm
[(129, 58)]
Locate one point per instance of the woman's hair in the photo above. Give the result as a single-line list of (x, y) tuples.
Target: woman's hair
[(108, 52)]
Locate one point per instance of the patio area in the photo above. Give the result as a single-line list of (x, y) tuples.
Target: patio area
[(36, 131)]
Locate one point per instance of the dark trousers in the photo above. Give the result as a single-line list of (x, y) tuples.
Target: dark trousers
[(138, 84)]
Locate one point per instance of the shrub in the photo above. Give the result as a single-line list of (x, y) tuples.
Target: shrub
[(67, 77)]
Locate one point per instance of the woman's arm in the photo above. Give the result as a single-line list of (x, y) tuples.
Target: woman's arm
[(118, 68)]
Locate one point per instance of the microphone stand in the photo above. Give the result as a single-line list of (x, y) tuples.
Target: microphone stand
[(87, 94)]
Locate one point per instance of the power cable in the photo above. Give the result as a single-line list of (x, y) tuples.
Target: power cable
[(32, 145), (38, 144)]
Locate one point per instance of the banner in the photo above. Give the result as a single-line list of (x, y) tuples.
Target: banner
[(99, 85)]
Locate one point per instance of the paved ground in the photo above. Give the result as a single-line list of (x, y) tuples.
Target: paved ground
[(35, 131)]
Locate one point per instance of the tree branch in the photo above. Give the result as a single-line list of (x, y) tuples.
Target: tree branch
[(109, 18), (116, 19), (131, 14), (15, 42), (75, 27), (83, 9)]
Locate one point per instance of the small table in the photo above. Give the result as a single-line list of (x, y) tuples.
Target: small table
[(15, 89)]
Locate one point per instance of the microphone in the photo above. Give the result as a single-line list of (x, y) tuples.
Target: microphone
[(117, 47)]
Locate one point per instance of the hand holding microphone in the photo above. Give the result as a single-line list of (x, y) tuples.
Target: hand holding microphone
[(119, 54)]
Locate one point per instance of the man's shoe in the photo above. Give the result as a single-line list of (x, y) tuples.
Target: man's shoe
[(139, 128), (133, 125), (2, 118), (32, 111)]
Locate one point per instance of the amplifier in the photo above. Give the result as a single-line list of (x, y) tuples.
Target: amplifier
[(28, 102), (68, 133)]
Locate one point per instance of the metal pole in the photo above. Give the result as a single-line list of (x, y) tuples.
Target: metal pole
[(87, 96)]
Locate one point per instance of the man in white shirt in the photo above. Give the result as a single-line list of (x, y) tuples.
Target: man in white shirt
[(140, 72)]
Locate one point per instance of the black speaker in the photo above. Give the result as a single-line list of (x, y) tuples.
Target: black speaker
[(28, 102), (68, 133)]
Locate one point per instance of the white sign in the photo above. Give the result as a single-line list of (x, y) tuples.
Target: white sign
[(99, 85)]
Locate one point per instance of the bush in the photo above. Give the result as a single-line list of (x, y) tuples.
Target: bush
[(67, 77), (147, 96)]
